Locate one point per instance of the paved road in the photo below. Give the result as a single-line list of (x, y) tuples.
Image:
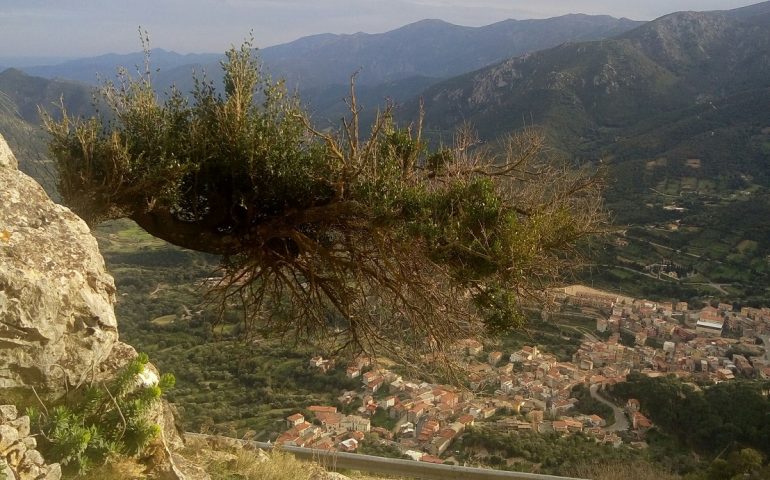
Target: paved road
[(716, 286), (666, 247), (588, 334), (631, 270), (621, 422)]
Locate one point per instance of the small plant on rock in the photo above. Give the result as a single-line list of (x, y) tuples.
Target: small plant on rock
[(107, 419)]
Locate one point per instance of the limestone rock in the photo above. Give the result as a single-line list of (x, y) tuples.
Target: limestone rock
[(57, 322), (21, 424), (30, 472), (262, 456), (7, 159), (34, 457), (8, 436), (54, 472), (6, 470), (8, 413), (15, 454), (189, 470), (30, 442)]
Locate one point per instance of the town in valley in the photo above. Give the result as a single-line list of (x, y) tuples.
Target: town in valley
[(533, 390)]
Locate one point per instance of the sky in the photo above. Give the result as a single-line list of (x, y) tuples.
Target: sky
[(79, 28)]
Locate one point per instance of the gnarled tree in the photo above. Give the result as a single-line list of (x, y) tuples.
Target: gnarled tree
[(369, 239)]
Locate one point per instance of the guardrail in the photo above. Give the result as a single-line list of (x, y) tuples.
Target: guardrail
[(381, 465)]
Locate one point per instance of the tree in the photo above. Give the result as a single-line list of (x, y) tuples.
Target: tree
[(370, 240)]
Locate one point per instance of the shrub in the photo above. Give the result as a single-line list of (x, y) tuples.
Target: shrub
[(105, 420)]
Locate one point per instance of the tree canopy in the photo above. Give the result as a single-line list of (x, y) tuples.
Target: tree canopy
[(370, 239)]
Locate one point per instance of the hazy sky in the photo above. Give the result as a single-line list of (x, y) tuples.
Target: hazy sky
[(91, 27)]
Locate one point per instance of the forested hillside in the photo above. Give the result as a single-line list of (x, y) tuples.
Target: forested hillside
[(676, 111), (21, 96)]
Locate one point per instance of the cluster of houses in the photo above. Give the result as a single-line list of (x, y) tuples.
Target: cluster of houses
[(531, 390), (329, 430), (714, 342), (531, 393), (419, 418)]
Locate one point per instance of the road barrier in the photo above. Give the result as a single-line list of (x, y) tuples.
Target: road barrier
[(380, 465)]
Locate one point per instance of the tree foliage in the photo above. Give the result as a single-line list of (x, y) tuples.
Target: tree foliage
[(360, 238), (545, 453), (709, 420)]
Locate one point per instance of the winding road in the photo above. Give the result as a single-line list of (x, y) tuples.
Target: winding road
[(621, 422)]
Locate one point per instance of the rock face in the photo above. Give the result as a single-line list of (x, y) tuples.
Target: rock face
[(7, 160), (57, 323), (19, 460)]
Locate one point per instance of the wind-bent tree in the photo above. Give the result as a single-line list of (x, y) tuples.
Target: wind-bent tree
[(369, 239)]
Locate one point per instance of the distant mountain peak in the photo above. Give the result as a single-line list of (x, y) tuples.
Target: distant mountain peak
[(581, 88), (13, 72), (428, 21)]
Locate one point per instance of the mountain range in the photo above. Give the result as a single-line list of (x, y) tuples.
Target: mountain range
[(428, 48), (395, 65), (676, 108), (690, 85), (676, 62)]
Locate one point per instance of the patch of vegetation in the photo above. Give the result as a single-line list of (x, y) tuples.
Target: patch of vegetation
[(638, 469), (102, 420), (710, 420), (371, 445), (534, 452), (551, 337), (590, 406), (242, 464), (382, 419)]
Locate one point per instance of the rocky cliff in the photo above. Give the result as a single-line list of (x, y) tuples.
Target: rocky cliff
[(57, 323)]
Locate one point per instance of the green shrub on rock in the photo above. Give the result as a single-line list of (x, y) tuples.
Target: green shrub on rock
[(106, 419)]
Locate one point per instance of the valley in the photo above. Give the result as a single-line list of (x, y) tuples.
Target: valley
[(248, 387), (671, 113)]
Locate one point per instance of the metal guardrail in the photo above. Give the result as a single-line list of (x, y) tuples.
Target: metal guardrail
[(386, 466)]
